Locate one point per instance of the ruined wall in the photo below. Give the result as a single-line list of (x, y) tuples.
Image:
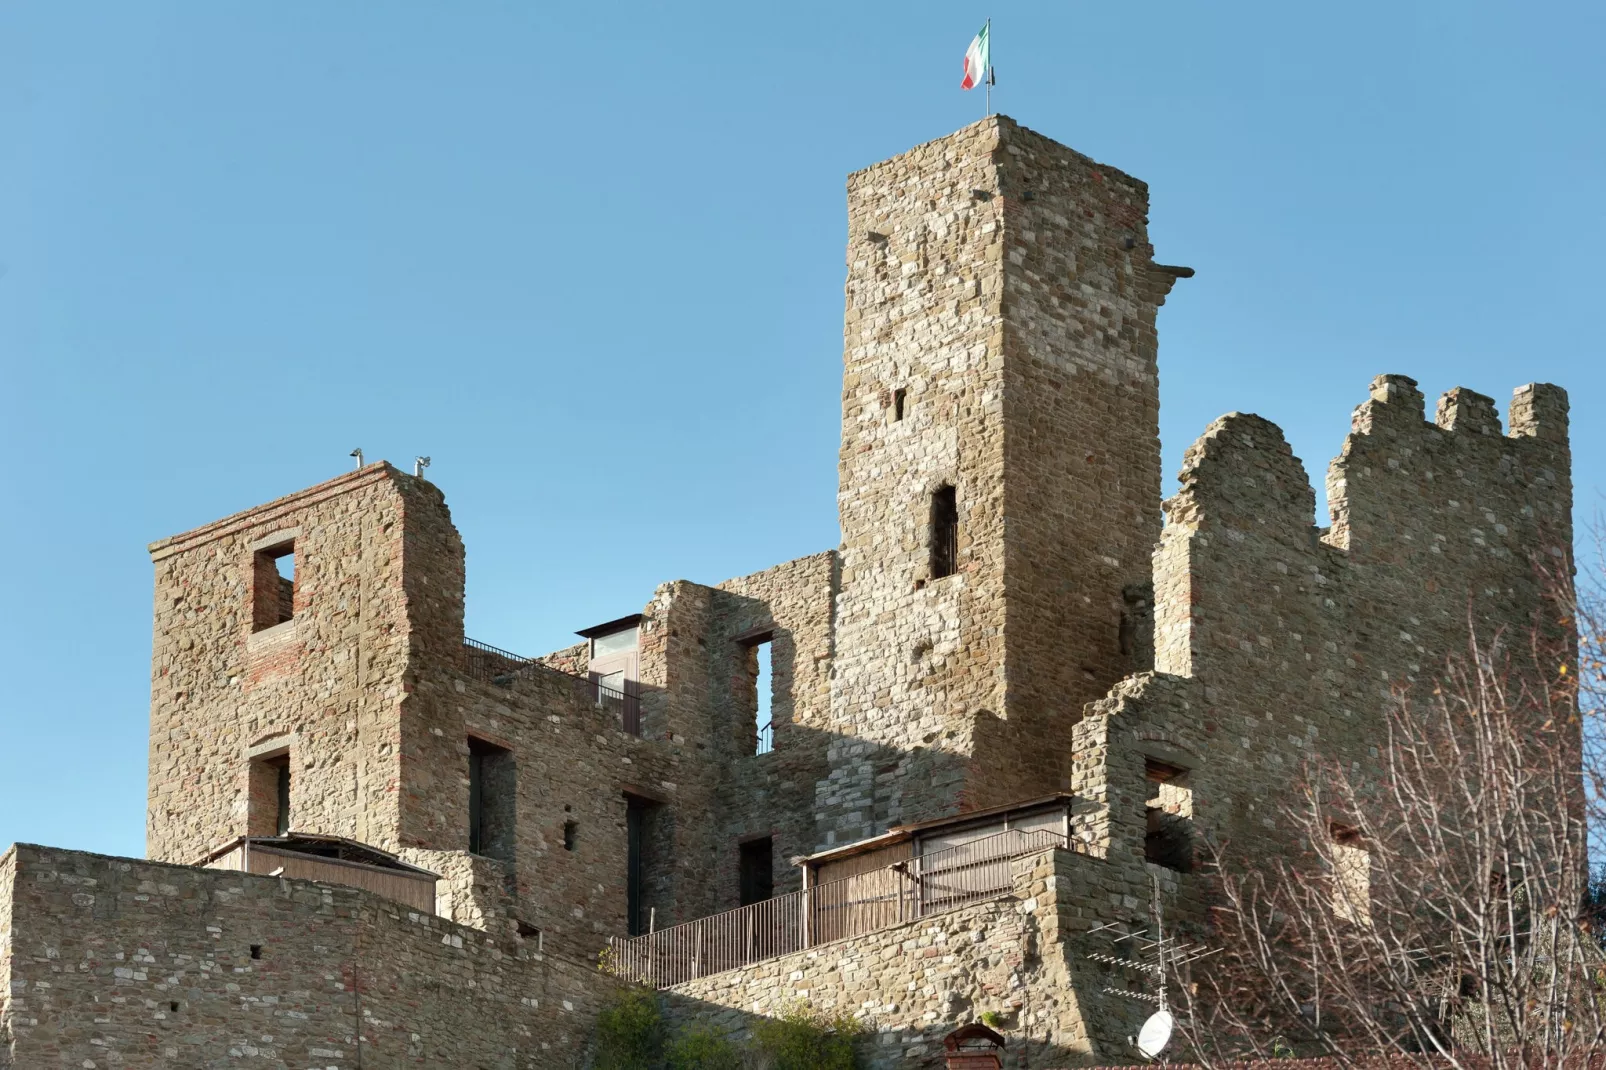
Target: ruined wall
[(1003, 284), (771, 793), (1295, 640), (328, 684), (573, 763), (118, 962)]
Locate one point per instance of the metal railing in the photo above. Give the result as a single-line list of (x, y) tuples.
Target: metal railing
[(766, 738), (501, 667), (906, 891)]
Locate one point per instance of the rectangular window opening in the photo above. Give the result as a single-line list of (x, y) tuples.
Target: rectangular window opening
[(757, 878), (1168, 836), (764, 726), (752, 692), (492, 800), (268, 807), (944, 532), (281, 794), (273, 586), (636, 850), (898, 398)]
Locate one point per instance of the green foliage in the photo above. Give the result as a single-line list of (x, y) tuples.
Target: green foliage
[(805, 1039), (992, 1019), (630, 1032), (700, 1048)]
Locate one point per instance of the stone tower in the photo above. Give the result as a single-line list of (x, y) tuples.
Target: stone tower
[(282, 689), (1000, 471)]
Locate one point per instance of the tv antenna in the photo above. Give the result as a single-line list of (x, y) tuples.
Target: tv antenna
[(1159, 956)]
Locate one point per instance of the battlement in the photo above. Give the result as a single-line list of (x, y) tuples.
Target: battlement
[(1291, 637)]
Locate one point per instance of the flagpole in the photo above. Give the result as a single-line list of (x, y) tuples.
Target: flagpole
[(987, 75)]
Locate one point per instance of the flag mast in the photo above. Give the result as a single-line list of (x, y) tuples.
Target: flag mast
[(988, 77)]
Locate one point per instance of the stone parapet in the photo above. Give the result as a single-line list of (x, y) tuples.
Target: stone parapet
[(115, 962)]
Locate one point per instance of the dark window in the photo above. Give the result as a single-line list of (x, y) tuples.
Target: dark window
[(268, 808), (757, 870), (1168, 837), (282, 795), (635, 865), (571, 835), (256, 951), (898, 397), (491, 800), (944, 533), (273, 586)]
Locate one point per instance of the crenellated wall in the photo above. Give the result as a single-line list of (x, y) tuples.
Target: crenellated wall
[(1277, 642)]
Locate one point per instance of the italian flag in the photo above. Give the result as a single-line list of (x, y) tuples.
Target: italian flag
[(976, 61)]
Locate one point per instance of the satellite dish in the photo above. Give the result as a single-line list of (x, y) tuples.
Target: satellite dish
[(1155, 1034)]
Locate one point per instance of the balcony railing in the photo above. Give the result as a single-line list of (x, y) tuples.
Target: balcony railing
[(501, 667), (907, 891)]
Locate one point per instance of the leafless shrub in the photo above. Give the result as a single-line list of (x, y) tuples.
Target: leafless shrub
[(1441, 907)]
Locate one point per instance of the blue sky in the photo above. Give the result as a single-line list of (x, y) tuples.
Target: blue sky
[(591, 261)]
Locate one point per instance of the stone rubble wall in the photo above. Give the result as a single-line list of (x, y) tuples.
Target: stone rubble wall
[(1294, 639), (771, 793), (573, 763), (1005, 283), (917, 657), (1023, 956), (102, 949), (1081, 466), (328, 684)]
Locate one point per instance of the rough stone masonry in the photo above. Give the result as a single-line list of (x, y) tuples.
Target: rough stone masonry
[(1006, 617)]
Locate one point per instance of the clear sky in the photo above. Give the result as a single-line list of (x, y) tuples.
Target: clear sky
[(590, 259)]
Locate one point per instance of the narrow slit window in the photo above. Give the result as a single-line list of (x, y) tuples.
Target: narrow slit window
[(1168, 837), (273, 586), (757, 870), (281, 795), (491, 800), (763, 684), (639, 856), (944, 532), (899, 397)]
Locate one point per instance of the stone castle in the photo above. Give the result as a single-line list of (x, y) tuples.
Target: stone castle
[(1000, 713)]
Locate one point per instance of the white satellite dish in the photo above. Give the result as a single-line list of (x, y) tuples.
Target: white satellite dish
[(1155, 1034)]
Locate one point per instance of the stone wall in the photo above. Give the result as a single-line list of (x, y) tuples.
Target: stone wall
[(1081, 418), (1023, 956), (327, 684), (122, 963), (1293, 639), (1001, 296), (772, 794)]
